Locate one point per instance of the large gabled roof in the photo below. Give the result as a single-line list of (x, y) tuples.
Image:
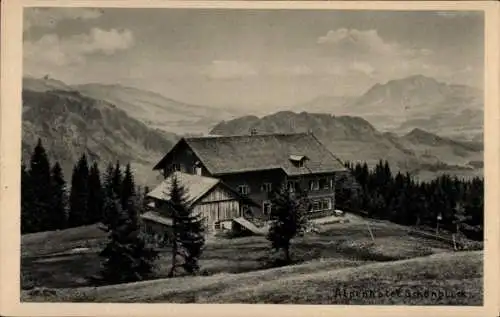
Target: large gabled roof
[(236, 154)]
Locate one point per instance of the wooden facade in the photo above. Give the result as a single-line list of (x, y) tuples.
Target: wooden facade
[(218, 205), (256, 185), (248, 168)]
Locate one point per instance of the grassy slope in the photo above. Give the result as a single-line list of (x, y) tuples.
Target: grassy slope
[(48, 259), (341, 257), (317, 282)]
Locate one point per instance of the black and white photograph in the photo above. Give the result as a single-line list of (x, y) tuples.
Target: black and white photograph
[(218, 155)]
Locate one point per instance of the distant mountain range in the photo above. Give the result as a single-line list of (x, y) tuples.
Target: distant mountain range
[(158, 111), (70, 124), (114, 122), (414, 102), (355, 139), (151, 108)]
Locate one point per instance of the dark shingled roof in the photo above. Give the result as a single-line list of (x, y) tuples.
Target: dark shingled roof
[(236, 154)]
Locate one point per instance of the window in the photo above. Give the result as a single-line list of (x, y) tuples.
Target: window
[(313, 185), (315, 205), (217, 225), (266, 207), (324, 184), (321, 204), (244, 189), (246, 211), (292, 186), (298, 160), (266, 187), (332, 185), (326, 204), (176, 167)]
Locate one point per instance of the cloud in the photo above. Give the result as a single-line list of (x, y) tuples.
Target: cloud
[(364, 42), (53, 51), (227, 70), (50, 17), (346, 41), (366, 54)]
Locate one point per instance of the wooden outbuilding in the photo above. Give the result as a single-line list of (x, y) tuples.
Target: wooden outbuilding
[(209, 197)]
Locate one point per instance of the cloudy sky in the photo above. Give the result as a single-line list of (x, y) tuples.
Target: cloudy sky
[(254, 58)]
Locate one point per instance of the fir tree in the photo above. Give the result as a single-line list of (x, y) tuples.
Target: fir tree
[(95, 197), (28, 220), (40, 184), (127, 258), (108, 181), (188, 232), (116, 180), (288, 218), (79, 194), (59, 212), (109, 196), (127, 189), (474, 202)]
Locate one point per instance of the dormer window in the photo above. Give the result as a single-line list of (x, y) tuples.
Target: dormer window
[(298, 160)]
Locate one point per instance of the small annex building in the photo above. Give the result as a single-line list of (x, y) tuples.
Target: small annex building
[(217, 203)]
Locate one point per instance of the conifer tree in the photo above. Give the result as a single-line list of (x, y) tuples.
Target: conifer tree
[(288, 218), (108, 180), (95, 197), (127, 186), (474, 202), (127, 258), (79, 194), (59, 210), (109, 196), (28, 221), (117, 179), (40, 184), (188, 232)]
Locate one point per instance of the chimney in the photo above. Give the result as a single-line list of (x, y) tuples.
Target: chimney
[(310, 131), (198, 170), (253, 131)]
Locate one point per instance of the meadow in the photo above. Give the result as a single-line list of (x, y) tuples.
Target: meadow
[(339, 264)]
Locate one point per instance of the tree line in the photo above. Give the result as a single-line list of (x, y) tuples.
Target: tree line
[(48, 203), (446, 202), (112, 200)]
